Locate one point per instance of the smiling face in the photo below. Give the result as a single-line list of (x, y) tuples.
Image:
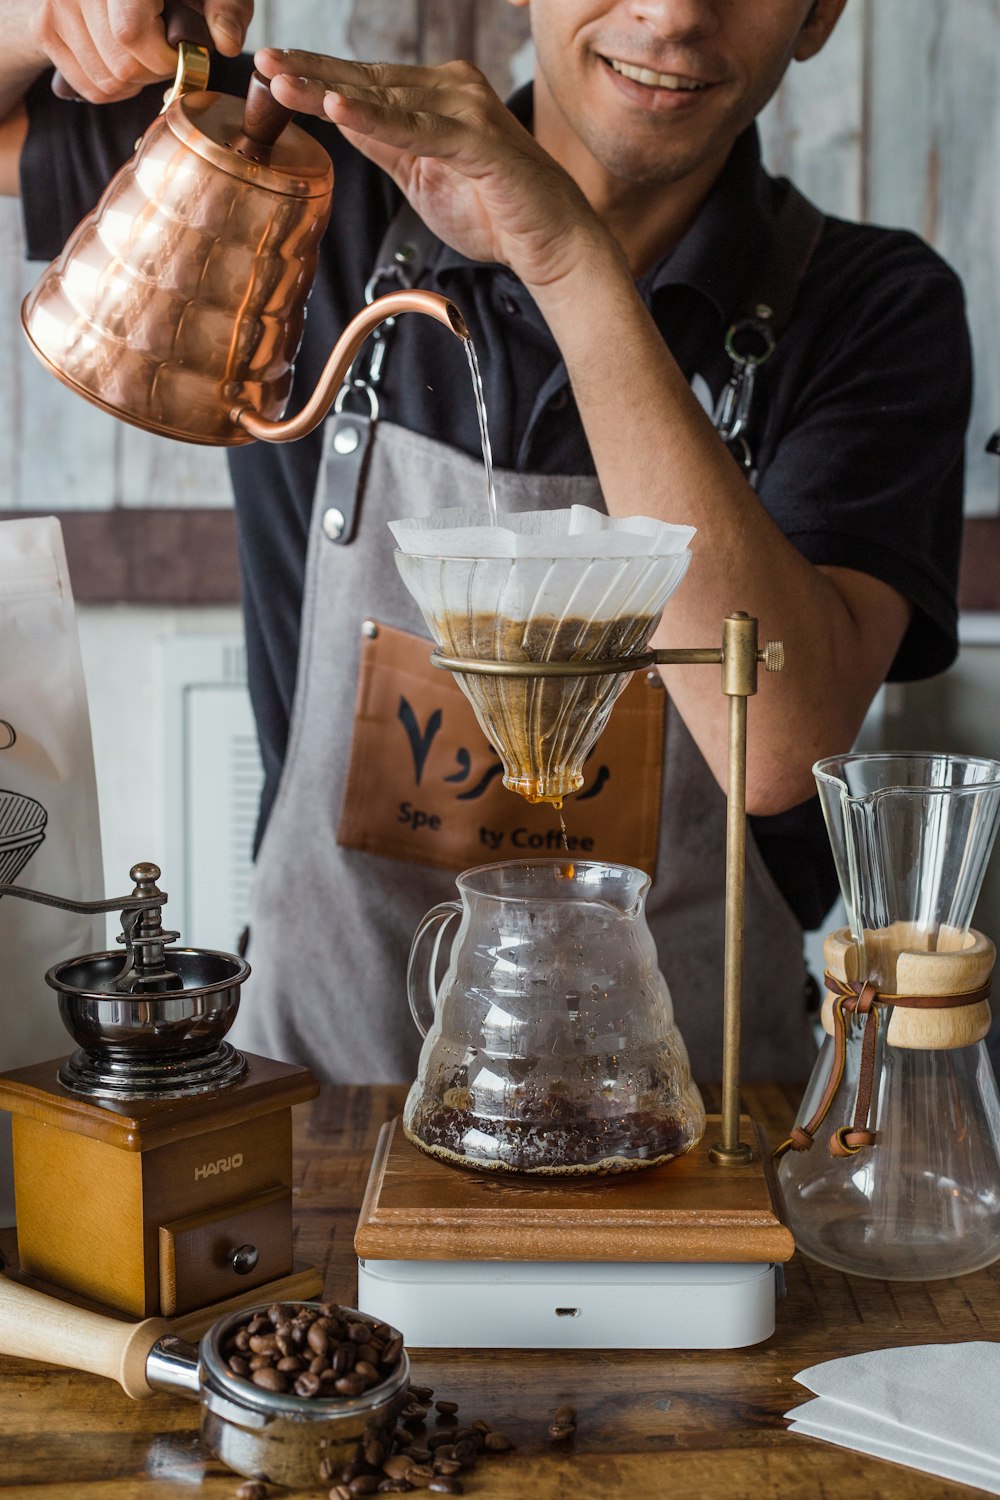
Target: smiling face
[(656, 91)]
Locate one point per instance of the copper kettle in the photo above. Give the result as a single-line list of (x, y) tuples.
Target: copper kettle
[(178, 303)]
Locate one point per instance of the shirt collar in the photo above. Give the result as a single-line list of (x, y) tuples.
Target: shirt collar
[(720, 250)]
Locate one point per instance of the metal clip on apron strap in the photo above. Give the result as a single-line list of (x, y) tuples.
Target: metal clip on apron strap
[(752, 337), (348, 431)]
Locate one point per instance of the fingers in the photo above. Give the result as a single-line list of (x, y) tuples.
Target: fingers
[(228, 21), (335, 71), (104, 52), (110, 49)]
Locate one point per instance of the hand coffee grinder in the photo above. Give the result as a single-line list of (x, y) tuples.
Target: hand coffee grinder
[(153, 1166)]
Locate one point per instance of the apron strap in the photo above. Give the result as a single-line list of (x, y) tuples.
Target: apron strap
[(402, 256), (756, 329)]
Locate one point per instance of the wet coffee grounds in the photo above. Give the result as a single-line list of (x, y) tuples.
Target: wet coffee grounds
[(556, 1138)]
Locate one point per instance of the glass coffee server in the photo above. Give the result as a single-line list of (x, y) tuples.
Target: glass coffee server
[(892, 1169)]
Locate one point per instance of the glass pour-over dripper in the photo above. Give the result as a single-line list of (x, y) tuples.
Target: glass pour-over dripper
[(893, 1166), (543, 587)]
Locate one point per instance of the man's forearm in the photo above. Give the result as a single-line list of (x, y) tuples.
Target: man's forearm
[(657, 453)]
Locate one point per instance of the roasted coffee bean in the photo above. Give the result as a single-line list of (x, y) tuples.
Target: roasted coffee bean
[(318, 1339), (370, 1352), (420, 1475), (419, 1455), (263, 1343), (290, 1363), (270, 1379), (397, 1467), (481, 1426), (238, 1365), (444, 1485), (340, 1492), (496, 1442), (349, 1385), (363, 1484), (344, 1358), (446, 1465), (394, 1487), (252, 1489), (418, 1392), (564, 1414), (357, 1333), (367, 1372), (447, 1408), (307, 1384)]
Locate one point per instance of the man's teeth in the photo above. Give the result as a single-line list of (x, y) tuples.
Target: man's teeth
[(655, 80)]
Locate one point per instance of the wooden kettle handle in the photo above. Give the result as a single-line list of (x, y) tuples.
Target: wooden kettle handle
[(36, 1326), (181, 22)]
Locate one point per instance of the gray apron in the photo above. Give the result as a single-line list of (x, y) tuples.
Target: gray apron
[(331, 927)]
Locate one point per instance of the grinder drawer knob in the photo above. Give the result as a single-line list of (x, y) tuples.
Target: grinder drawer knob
[(244, 1259)]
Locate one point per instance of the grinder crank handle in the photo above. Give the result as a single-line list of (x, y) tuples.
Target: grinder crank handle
[(181, 22), (36, 1326)]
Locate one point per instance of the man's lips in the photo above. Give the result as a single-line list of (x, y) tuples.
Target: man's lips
[(678, 83)]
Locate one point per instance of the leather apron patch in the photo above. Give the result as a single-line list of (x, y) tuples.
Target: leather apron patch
[(424, 786)]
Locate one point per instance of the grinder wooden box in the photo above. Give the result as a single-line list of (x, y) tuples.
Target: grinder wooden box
[(143, 1204)]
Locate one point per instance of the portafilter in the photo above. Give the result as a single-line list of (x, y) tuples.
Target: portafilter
[(266, 1435)]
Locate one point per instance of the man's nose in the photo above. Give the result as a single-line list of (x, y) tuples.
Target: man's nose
[(677, 19)]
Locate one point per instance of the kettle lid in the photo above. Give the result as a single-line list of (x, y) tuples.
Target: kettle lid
[(252, 140)]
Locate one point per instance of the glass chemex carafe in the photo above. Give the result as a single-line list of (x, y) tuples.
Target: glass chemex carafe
[(550, 1044), (893, 1167)]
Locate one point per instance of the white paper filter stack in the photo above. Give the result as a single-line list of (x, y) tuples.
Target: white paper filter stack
[(931, 1407), (564, 585)]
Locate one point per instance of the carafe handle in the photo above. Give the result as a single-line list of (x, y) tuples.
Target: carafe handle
[(421, 987)]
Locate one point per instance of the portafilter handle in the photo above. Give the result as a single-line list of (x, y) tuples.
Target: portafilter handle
[(142, 1357)]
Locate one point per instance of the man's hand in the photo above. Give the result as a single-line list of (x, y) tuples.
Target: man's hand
[(473, 174), (110, 49)]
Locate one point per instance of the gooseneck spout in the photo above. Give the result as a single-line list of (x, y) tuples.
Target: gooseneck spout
[(341, 359)]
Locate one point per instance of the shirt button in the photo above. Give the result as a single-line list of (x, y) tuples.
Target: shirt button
[(508, 304)]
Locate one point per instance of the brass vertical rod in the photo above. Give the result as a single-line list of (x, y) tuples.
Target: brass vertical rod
[(736, 826), (739, 681)]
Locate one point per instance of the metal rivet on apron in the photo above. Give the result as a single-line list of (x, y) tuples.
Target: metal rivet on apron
[(346, 439), (654, 679), (369, 629), (333, 523)]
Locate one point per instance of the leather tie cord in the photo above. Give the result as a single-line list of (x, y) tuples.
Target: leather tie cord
[(861, 998)]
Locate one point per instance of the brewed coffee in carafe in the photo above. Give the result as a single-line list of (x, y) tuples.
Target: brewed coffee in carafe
[(892, 1169)]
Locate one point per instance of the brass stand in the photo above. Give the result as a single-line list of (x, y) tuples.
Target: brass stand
[(738, 656)]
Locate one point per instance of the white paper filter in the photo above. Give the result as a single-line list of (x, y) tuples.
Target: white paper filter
[(573, 563)]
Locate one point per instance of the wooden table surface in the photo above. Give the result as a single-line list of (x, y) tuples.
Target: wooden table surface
[(689, 1425)]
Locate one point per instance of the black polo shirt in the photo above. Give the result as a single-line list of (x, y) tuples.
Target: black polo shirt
[(858, 427)]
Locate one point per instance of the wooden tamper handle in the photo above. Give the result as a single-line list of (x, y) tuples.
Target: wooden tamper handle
[(36, 1326)]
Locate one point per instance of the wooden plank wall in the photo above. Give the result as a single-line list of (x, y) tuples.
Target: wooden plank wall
[(898, 122)]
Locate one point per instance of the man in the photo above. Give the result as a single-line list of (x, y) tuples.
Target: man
[(601, 236)]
